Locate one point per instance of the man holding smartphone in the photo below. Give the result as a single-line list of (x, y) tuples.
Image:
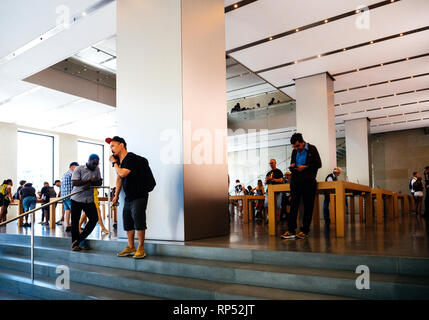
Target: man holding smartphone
[(135, 177), (304, 164), (84, 177)]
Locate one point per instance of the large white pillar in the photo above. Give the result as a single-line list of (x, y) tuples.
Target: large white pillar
[(171, 99), (315, 118), (357, 151)]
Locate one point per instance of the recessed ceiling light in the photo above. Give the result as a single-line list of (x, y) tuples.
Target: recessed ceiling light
[(297, 30), (401, 34), (344, 49), (319, 55), (84, 14), (357, 70), (235, 6), (295, 62), (271, 38), (326, 20), (371, 42), (381, 64), (357, 11)]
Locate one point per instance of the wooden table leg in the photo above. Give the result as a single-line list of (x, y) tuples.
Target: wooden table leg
[(52, 215), (380, 205), (316, 211), (245, 210), (412, 203), (332, 207), (271, 213), (406, 207), (395, 205), (369, 216), (104, 211), (340, 205), (352, 208), (20, 211), (361, 208)]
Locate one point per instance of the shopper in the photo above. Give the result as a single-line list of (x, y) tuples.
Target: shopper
[(333, 176), (275, 176), (83, 178), (28, 197), (66, 189), (410, 186), (426, 174), (5, 198), (418, 195), (305, 162), (135, 177), (259, 190)]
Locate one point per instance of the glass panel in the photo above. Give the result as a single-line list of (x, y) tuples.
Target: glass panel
[(35, 158)]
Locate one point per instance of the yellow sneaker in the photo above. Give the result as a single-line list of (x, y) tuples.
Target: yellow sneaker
[(140, 254), (127, 252)]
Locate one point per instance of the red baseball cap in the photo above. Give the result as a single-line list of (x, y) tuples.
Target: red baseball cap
[(117, 139)]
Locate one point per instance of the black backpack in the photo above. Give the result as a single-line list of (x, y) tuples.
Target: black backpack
[(52, 193), (146, 175)]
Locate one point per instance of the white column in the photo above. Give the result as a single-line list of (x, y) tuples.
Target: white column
[(171, 98), (357, 151), (315, 118)]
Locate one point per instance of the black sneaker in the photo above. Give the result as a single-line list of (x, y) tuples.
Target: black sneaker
[(75, 246)]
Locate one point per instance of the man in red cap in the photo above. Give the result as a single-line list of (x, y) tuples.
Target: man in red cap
[(135, 177)]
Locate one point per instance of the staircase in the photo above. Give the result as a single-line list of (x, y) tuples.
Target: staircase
[(173, 271)]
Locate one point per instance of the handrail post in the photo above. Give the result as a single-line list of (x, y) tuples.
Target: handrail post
[(109, 212), (32, 247)]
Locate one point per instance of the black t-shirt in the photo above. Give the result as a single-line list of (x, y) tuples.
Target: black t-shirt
[(275, 174), (46, 194), (28, 192), (133, 184)]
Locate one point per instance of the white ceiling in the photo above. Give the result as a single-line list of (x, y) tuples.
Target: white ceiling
[(263, 19), (29, 105)]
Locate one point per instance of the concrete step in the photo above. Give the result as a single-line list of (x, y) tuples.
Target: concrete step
[(377, 264), (163, 286), (322, 281), (18, 284)]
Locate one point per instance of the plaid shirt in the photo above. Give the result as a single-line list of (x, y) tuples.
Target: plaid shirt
[(66, 183)]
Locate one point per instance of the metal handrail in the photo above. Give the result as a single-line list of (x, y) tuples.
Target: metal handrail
[(32, 211)]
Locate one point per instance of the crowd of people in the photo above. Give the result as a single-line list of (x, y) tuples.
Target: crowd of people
[(237, 107), (80, 182), (305, 162)]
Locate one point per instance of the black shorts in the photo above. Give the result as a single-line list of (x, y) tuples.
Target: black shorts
[(134, 214)]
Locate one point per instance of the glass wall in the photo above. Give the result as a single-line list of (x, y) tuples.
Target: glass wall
[(250, 165), (35, 158)]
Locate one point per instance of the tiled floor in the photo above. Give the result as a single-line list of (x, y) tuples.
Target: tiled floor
[(405, 236)]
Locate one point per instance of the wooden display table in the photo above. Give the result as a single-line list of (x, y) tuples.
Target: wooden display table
[(246, 207), (338, 189), (405, 204), (381, 195), (21, 209)]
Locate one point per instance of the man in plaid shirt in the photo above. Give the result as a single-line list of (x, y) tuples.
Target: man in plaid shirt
[(66, 189)]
